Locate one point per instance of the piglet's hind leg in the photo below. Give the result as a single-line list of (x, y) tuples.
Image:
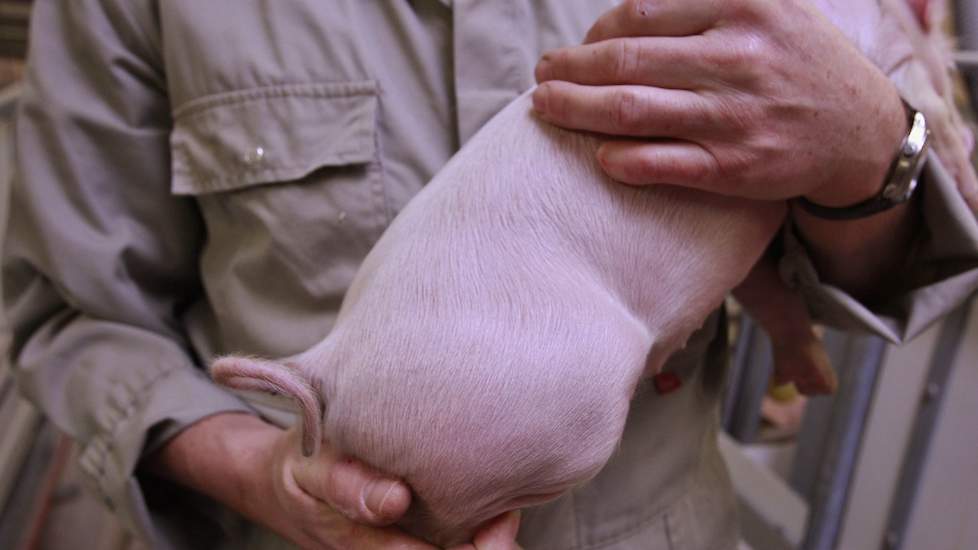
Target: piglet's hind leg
[(799, 356)]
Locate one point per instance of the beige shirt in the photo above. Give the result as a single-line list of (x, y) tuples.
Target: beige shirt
[(198, 178)]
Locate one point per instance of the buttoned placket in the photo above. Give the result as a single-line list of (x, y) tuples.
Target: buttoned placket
[(490, 68)]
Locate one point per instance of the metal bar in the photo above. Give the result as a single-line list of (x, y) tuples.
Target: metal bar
[(816, 424), (966, 60), (862, 362), (928, 413), (735, 374), (753, 369), (810, 446)]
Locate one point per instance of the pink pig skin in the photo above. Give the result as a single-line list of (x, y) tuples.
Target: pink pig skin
[(490, 343)]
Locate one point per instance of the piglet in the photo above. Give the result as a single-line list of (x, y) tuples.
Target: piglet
[(490, 343), (488, 347)]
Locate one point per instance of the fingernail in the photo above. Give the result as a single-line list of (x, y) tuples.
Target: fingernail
[(540, 73), (376, 494), (602, 156), (540, 99)]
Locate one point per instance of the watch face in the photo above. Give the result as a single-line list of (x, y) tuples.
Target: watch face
[(913, 184), (909, 163)]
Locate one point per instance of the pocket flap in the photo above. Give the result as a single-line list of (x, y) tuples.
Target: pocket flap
[(280, 133)]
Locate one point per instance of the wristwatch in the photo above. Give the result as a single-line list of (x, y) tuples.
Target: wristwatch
[(901, 179)]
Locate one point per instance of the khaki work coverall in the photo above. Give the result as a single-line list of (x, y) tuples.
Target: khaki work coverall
[(204, 177)]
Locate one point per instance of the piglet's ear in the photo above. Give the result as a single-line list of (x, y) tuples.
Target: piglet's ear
[(250, 373)]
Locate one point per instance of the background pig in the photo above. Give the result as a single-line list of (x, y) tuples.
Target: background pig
[(489, 346)]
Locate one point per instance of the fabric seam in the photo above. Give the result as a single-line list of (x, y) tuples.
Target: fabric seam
[(336, 90), (102, 443)]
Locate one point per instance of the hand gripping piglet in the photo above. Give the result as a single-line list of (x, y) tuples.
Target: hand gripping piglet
[(490, 343)]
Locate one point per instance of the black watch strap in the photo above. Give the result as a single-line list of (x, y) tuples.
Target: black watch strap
[(863, 209)]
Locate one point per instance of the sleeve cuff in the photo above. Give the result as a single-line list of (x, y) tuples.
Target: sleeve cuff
[(944, 262), (165, 405)]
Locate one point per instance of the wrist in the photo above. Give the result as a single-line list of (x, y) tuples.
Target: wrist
[(221, 456), (857, 182)]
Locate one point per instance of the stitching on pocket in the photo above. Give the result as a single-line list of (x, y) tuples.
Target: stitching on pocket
[(211, 135), (324, 89)]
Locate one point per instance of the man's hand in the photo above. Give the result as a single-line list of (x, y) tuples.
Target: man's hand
[(754, 98), (327, 501)]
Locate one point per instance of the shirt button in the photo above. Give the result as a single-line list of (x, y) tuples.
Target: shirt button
[(666, 382)]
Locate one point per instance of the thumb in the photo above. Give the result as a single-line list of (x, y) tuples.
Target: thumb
[(352, 488), (500, 534)]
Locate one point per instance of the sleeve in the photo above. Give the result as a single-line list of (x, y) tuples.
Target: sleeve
[(941, 270), (100, 260)]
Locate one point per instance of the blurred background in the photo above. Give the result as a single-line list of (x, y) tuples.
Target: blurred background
[(890, 462)]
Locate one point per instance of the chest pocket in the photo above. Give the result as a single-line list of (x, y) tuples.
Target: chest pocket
[(290, 186)]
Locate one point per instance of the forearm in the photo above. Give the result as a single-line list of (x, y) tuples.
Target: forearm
[(212, 456), (861, 256)]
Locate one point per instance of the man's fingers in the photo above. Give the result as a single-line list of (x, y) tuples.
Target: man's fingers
[(641, 111), (500, 534), (665, 62), (656, 18), (354, 490), (660, 162), (362, 537)]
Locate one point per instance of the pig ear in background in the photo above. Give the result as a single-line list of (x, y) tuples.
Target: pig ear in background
[(249, 373)]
